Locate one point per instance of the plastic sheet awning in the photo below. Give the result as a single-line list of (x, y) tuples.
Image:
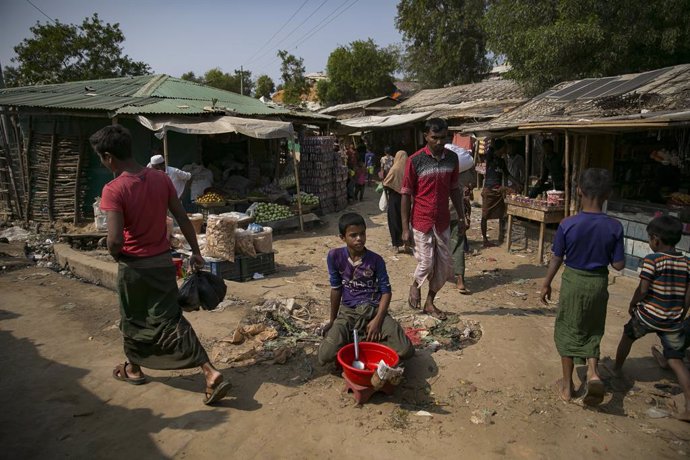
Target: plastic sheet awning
[(259, 129), (376, 121)]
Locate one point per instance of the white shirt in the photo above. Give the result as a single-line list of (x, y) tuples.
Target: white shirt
[(178, 177)]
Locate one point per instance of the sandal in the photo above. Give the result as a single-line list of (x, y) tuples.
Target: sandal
[(120, 373), (594, 393), (436, 313), (216, 393), (464, 291)]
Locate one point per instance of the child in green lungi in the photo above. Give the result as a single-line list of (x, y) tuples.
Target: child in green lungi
[(155, 333), (588, 243), (360, 295), (661, 302)]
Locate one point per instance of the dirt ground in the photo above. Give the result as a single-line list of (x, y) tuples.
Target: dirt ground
[(60, 341)]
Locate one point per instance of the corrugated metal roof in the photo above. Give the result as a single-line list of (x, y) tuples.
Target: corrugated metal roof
[(484, 92), (149, 94), (356, 105), (654, 96)]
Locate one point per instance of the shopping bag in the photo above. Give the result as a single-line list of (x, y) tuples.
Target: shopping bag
[(383, 202), (201, 289)]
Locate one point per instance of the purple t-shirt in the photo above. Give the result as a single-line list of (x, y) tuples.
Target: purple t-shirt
[(589, 241), (363, 281)]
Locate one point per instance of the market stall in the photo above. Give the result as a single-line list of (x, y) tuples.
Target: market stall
[(543, 211)]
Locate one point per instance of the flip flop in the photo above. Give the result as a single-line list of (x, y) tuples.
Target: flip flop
[(436, 313), (215, 394), (464, 291), (120, 373), (594, 393)]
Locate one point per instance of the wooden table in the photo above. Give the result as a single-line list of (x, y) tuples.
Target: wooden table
[(543, 215)]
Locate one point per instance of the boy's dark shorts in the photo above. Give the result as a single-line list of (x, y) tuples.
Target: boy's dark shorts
[(673, 342)]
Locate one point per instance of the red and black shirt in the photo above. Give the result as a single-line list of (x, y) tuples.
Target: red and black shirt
[(429, 182)]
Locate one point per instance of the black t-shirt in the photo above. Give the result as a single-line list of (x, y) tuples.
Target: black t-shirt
[(495, 166)]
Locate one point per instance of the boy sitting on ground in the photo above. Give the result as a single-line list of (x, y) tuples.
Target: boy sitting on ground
[(661, 301), (360, 295), (589, 242)]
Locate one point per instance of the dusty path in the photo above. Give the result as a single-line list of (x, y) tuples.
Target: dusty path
[(60, 342)]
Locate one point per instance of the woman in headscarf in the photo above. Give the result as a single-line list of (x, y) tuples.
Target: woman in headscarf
[(392, 184)]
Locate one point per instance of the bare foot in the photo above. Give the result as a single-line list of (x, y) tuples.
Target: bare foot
[(415, 298), (659, 356), (565, 392), (431, 310)]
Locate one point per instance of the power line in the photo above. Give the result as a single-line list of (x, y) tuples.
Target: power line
[(316, 28), (277, 32), (40, 10), (325, 24), (296, 28)]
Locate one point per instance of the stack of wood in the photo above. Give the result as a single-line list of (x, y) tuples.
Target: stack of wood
[(57, 177)]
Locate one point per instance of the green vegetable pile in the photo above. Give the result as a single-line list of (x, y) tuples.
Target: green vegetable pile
[(308, 199), (268, 212)]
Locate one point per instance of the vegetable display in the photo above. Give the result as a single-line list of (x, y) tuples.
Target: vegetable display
[(210, 198), (268, 212), (308, 199)]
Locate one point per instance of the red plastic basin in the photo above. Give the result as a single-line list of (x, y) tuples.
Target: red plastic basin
[(370, 353)]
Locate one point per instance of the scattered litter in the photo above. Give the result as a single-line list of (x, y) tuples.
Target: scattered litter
[(520, 281), (517, 293), (15, 234), (423, 413), (482, 417), (655, 412), (258, 276)]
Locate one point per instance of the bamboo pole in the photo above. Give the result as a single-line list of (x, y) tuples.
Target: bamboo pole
[(528, 163), (299, 195), (567, 181), (24, 163), (76, 183), (52, 164), (165, 147)]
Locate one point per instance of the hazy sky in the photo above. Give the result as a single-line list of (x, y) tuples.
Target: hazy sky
[(176, 36)]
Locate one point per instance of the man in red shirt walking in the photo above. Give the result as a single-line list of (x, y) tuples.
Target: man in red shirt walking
[(155, 333), (431, 178)]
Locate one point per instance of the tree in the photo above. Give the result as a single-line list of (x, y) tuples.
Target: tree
[(190, 76), (445, 41), (292, 72), (548, 41), (264, 87), (65, 52), (358, 71), (229, 82)]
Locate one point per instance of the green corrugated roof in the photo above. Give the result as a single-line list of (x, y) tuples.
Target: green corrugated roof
[(148, 94)]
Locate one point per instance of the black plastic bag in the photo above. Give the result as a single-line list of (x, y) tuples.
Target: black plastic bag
[(201, 289), (212, 290), (188, 296)]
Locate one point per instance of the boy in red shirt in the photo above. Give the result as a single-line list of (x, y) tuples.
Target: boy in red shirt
[(155, 333)]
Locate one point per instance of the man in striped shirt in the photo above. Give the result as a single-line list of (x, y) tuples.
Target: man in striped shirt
[(431, 178), (661, 301)]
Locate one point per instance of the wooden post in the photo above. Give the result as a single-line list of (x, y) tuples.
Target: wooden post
[(52, 164), (528, 164), (567, 174), (25, 162), (77, 184), (165, 146), (299, 196)]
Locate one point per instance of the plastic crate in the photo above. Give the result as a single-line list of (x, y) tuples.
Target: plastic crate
[(243, 268)]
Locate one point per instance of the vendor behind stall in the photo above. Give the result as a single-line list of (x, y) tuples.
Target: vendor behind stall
[(552, 177)]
